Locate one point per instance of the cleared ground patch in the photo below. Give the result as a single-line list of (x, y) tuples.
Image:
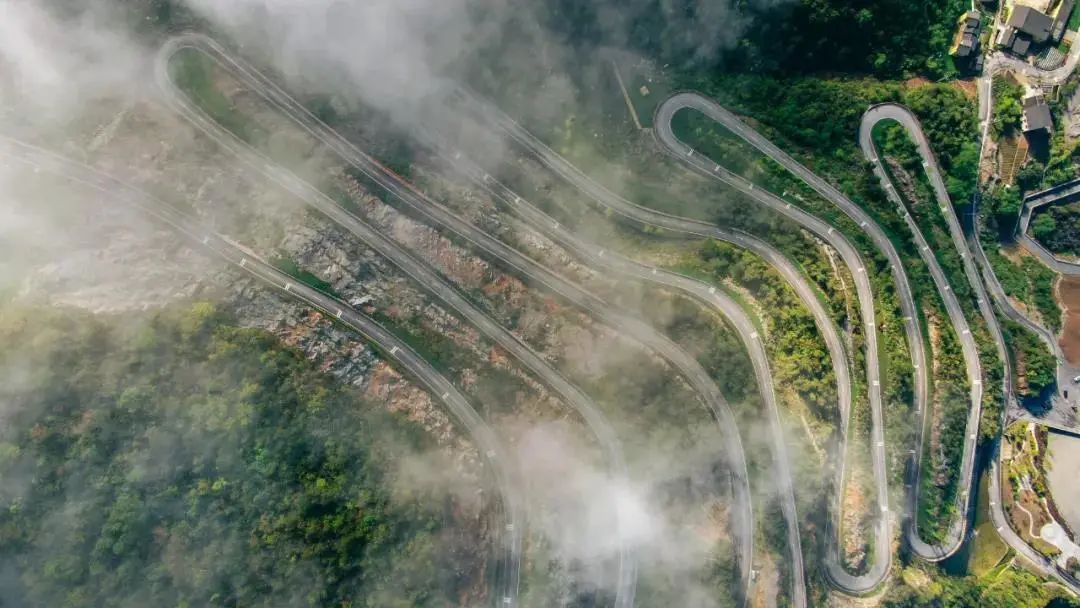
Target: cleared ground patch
[(1069, 296), (1064, 462)]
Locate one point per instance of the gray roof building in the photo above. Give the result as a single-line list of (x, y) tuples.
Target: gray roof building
[(1037, 114), (1020, 46), (1062, 19), (1031, 22)]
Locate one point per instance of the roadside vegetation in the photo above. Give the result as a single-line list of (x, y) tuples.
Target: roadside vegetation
[(1036, 367), (193, 73), (1029, 282)]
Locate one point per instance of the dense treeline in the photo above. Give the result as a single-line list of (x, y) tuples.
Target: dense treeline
[(1058, 228), (882, 37), (1009, 588), (183, 461), (1033, 358)]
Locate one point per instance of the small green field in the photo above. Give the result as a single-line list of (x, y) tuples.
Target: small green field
[(987, 550)]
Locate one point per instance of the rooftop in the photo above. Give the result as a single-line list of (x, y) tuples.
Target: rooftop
[(1037, 114), (1031, 22)]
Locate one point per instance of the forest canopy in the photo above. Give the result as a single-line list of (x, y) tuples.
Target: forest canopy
[(190, 462)]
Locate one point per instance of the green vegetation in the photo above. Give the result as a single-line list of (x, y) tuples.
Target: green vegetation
[(178, 460), (1008, 107), (193, 73), (884, 37), (1007, 588), (290, 267), (988, 550), (1028, 281), (791, 327), (1000, 213), (1057, 227), (1033, 360), (1074, 21), (949, 121)]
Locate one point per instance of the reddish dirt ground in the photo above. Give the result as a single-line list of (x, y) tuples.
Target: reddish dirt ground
[(1069, 296)]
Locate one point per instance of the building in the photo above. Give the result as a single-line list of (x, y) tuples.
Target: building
[(1025, 28), (1035, 25), (1037, 115), (966, 43), (1061, 20)]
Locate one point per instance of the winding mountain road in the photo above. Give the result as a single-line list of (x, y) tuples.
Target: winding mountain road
[(637, 213), (904, 117), (418, 271), (846, 581)]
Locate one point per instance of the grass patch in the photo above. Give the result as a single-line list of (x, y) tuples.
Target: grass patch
[(988, 550), (291, 268), (192, 72)]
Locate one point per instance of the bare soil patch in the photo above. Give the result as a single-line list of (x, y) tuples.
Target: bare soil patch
[(1068, 292)]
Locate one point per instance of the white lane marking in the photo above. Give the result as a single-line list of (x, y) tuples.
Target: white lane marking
[(510, 527), (288, 286), (716, 168), (243, 261), (977, 383), (445, 395), (393, 351), (690, 153), (916, 366), (881, 444), (877, 383), (338, 313)]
